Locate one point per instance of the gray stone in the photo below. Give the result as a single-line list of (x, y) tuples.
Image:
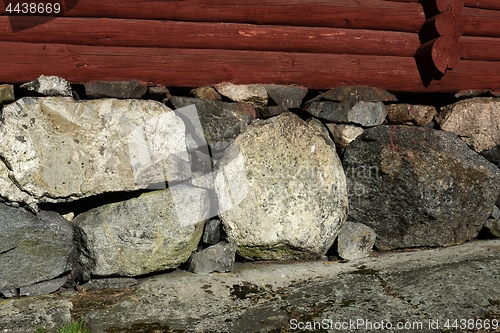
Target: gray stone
[(110, 283), (212, 232), (464, 94), (153, 232), (43, 288), (281, 190), (253, 94), (355, 241), (493, 227), (286, 97), (495, 213), (270, 111), (215, 258), (418, 187), (55, 149), (350, 94), (6, 93), (344, 134), (158, 93), (115, 89), (49, 86), (492, 155), (201, 161), (362, 113), (206, 93), (476, 121), (31, 314), (33, 248), (409, 114)]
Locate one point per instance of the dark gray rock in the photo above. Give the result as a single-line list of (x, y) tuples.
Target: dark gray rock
[(270, 111), (355, 241), (353, 94), (211, 234), (215, 258), (110, 283), (409, 114), (49, 86), (363, 113), (286, 97), (418, 187), (6, 93), (115, 89), (157, 93), (43, 288), (33, 248), (492, 155)]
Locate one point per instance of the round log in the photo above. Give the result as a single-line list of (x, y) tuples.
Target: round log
[(440, 54), (435, 7), (444, 24)]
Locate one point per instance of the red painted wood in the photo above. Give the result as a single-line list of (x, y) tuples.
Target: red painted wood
[(154, 33), (191, 68), (481, 22), (481, 48), (349, 14), (434, 7), (440, 54), (485, 4), (444, 24)]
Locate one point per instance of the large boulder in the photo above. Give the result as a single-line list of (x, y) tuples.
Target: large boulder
[(33, 248), (418, 187), (281, 189), (153, 232), (55, 149), (476, 121)]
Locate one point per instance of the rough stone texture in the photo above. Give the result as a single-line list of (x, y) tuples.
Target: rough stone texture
[(418, 187), (33, 248), (495, 213), (215, 258), (253, 94), (492, 155), (211, 234), (153, 232), (32, 313), (286, 97), (110, 283), (115, 89), (42, 288), (55, 149), (206, 93), (158, 93), (355, 241), (476, 121), (493, 227), (49, 86), (464, 94), (220, 122), (270, 111), (281, 190), (362, 113), (6, 93), (409, 114), (344, 134), (349, 94)]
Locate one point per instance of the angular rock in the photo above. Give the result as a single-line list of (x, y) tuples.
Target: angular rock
[(212, 232), (115, 89), (355, 241), (492, 155), (206, 93), (286, 97), (281, 190), (110, 283), (158, 93), (42, 288), (476, 121), (33, 248), (495, 213), (55, 149), (270, 111), (418, 187), (153, 232), (49, 86), (216, 123), (253, 94), (409, 114), (464, 94), (344, 134), (6, 93), (362, 113), (349, 94), (493, 227), (215, 258)]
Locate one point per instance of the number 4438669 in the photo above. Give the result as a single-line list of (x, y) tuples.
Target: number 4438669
[(33, 8)]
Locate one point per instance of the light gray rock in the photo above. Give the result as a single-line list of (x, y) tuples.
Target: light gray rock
[(6, 93), (115, 89), (33, 248), (362, 113), (110, 283), (476, 121), (418, 187), (30, 314), (55, 149), (215, 258), (281, 190), (253, 94), (355, 241), (344, 134), (212, 232), (495, 213), (153, 232), (493, 227), (409, 114), (49, 86), (353, 94), (43, 288), (286, 97)]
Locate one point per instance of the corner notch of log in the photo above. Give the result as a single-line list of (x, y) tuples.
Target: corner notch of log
[(440, 54)]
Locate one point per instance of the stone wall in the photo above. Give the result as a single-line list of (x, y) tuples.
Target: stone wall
[(115, 179)]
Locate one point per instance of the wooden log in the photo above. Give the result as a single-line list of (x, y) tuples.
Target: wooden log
[(435, 7), (444, 24), (22, 62), (154, 33), (481, 48), (481, 22), (484, 4), (347, 14), (440, 54)]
